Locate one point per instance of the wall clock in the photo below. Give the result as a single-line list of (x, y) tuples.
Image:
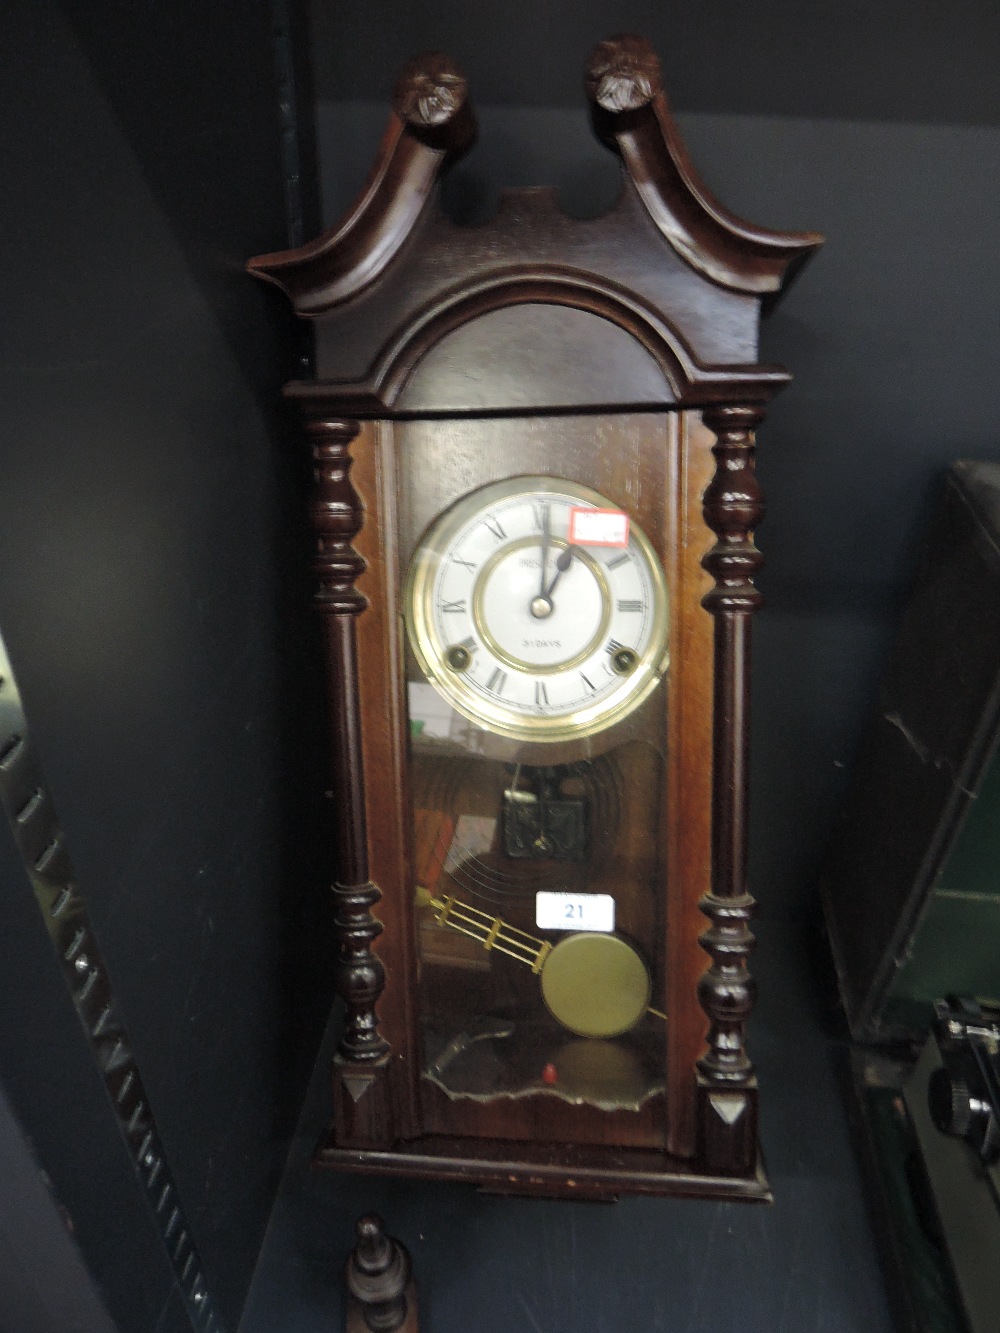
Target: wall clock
[(534, 504)]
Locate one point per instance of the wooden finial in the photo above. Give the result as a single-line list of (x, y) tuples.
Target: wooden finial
[(378, 1279), (430, 90), (432, 99), (622, 73)]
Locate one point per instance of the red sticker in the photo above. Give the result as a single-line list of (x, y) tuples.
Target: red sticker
[(598, 527)]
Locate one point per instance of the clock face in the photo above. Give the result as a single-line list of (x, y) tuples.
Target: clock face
[(538, 610)]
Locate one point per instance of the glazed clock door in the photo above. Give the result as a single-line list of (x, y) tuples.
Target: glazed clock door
[(537, 613)]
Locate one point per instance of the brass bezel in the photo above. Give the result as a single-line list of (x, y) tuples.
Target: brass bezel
[(492, 715)]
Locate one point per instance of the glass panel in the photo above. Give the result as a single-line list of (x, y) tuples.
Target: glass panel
[(537, 616), (508, 1006)]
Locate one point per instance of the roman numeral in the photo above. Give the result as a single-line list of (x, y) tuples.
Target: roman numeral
[(457, 559), (495, 528), (451, 608), (469, 643), (497, 681), (588, 685), (541, 695), (625, 604), (539, 513), (613, 646), (619, 560)]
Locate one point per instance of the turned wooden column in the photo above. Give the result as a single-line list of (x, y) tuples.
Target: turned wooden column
[(337, 515), (733, 507)]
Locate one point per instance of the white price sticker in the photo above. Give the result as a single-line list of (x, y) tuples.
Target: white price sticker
[(575, 911), (598, 527)]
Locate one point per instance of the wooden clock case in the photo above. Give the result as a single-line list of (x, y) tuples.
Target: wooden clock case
[(638, 330)]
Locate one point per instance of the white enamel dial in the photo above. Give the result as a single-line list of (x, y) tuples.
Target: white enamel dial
[(526, 621)]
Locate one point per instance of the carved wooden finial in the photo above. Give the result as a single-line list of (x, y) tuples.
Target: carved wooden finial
[(430, 91), (622, 73), (378, 1278)]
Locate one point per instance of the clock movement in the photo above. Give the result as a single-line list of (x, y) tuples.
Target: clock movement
[(534, 507)]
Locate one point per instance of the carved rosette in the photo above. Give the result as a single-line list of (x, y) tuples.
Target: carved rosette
[(432, 98), (733, 507), (337, 515), (622, 74), (430, 91)]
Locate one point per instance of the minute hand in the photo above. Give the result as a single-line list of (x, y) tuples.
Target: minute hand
[(562, 564)]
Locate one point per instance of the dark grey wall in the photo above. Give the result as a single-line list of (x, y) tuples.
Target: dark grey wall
[(56, 1293), (896, 60), (878, 129), (148, 515), (55, 1097)]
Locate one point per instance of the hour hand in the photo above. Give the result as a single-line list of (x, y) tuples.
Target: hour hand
[(541, 606), (562, 564), (545, 548)]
